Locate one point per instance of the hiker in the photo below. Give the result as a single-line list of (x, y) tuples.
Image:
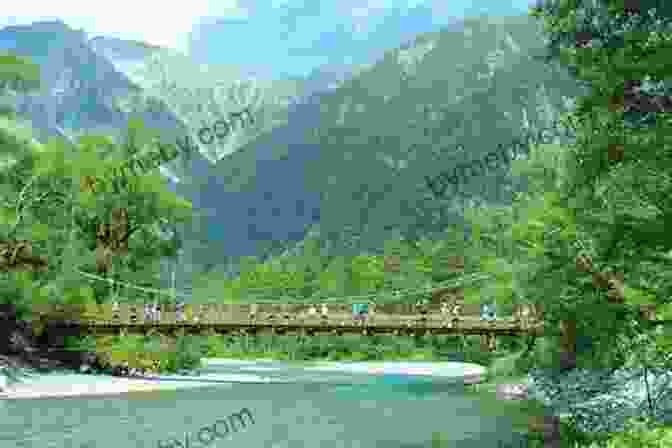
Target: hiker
[(359, 311), (157, 310), (488, 311), (444, 308), (324, 311), (356, 311), (115, 309), (421, 306), (457, 311), (148, 312), (525, 315), (179, 311), (133, 314)]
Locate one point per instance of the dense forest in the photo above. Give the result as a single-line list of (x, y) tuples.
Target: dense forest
[(586, 240)]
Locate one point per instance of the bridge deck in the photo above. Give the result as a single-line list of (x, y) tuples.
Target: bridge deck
[(226, 318)]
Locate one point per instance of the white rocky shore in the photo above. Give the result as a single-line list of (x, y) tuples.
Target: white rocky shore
[(55, 384)]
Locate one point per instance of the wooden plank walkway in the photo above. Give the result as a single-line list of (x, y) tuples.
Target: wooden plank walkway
[(281, 318)]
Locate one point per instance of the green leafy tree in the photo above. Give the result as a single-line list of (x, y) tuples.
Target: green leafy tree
[(620, 164), (33, 226), (77, 203)]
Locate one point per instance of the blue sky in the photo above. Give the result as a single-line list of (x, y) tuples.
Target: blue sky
[(168, 23), (298, 35), (286, 26)]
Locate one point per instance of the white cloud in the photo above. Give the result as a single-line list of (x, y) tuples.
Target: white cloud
[(153, 21)]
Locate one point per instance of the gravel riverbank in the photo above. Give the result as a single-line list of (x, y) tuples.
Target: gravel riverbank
[(64, 384)]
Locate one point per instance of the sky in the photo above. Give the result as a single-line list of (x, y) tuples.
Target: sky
[(168, 23)]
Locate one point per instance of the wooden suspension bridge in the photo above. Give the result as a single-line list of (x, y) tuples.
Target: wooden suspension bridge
[(252, 319)]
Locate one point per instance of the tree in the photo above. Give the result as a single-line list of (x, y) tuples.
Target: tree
[(37, 245), (126, 220), (621, 162), (72, 206), (616, 191)]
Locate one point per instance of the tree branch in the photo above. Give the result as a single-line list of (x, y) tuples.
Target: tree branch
[(128, 234)]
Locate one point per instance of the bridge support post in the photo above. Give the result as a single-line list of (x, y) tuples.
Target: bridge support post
[(492, 343), (485, 343), (488, 342)]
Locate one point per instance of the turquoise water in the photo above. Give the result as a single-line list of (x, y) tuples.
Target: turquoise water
[(293, 407)]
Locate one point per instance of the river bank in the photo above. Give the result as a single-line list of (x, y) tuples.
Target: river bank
[(31, 385)]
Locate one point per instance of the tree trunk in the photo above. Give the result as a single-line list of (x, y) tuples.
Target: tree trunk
[(111, 240), (568, 344), (119, 230), (103, 250)]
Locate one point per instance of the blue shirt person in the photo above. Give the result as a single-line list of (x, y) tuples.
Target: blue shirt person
[(488, 311), (360, 310)]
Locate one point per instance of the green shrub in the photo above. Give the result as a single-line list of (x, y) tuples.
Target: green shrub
[(641, 435)]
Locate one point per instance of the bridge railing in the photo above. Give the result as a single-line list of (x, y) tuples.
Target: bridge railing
[(242, 313)]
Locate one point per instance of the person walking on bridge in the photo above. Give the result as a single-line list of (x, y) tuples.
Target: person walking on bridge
[(488, 312), (148, 312), (444, 308), (457, 312), (115, 310), (157, 310), (179, 311), (445, 311), (359, 311)]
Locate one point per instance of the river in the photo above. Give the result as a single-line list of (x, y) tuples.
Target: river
[(328, 405)]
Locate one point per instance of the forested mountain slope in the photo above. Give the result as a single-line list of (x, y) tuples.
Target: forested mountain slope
[(366, 147)]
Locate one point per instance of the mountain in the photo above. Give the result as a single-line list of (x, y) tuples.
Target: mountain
[(200, 94), (328, 77), (117, 50), (349, 158), (85, 83), (356, 157), (306, 36), (78, 87)]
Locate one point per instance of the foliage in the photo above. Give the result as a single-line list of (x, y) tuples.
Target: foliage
[(641, 434), (17, 75), (47, 200), (146, 200), (617, 184), (153, 353)]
